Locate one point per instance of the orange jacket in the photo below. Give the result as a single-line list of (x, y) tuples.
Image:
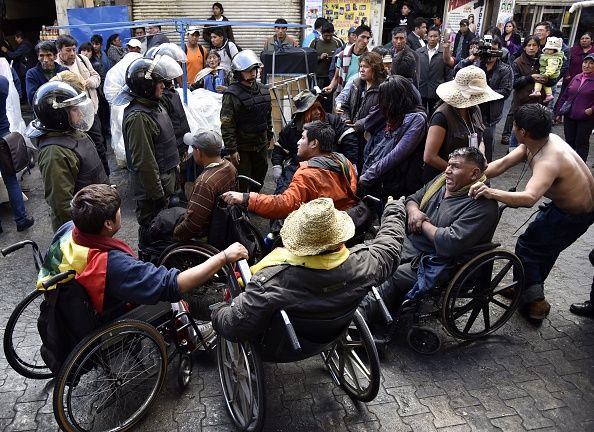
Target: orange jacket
[(308, 184)]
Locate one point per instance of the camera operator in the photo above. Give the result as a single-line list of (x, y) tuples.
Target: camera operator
[(487, 54)]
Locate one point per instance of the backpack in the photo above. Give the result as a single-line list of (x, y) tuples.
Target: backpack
[(66, 317), (228, 50), (14, 156), (228, 225)]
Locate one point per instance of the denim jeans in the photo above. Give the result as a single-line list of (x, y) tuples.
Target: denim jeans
[(546, 237), (15, 196)]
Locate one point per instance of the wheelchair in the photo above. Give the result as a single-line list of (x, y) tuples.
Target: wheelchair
[(476, 296), (344, 343), (113, 375)]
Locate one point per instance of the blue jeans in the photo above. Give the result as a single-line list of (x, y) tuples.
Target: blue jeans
[(546, 237), (15, 196)]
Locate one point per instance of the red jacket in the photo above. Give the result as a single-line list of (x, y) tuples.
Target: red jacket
[(311, 181)]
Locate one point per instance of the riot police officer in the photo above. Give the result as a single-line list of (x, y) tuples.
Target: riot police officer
[(246, 118), (68, 159), (149, 138)]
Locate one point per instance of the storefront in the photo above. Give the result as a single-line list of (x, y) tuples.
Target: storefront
[(264, 11), (527, 13)]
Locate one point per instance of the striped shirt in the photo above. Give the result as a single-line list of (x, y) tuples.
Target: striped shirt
[(214, 180)]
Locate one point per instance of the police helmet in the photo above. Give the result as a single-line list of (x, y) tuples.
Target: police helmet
[(143, 74), (59, 107), (243, 61)]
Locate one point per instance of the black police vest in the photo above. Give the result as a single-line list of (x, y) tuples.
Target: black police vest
[(91, 169), (166, 153), (256, 107)]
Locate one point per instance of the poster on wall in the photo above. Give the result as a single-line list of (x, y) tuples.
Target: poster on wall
[(505, 14), (313, 11), (346, 14), (462, 9)]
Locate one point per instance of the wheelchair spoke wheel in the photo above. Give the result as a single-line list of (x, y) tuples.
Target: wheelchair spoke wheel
[(354, 363), (185, 256), (483, 295), (111, 378), (22, 342), (242, 380)]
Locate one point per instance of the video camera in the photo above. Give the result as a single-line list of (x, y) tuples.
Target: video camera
[(485, 50)]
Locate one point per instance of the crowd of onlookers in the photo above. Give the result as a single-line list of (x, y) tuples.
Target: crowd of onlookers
[(394, 114)]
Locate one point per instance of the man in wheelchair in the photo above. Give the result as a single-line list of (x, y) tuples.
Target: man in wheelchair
[(444, 223), (218, 177), (314, 274), (322, 173), (107, 268)]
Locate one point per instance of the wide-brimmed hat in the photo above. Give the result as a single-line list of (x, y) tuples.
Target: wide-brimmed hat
[(315, 227), (304, 101), (469, 88)]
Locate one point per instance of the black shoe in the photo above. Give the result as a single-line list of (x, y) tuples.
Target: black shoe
[(26, 225), (583, 309)]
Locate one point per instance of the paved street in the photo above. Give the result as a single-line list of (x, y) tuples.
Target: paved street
[(524, 377)]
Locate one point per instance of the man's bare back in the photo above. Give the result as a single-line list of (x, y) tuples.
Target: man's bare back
[(572, 190), (558, 173)]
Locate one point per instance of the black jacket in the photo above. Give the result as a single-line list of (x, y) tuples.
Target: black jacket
[(413, 41), (463, 39), (432, 72)]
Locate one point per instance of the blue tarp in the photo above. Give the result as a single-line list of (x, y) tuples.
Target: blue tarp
[(105, 14)]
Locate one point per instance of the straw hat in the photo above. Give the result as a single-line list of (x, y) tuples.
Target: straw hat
[(469, 88), (315, 227)]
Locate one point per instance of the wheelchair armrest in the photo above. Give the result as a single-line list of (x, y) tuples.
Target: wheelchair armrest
[(290, 331), (249, 181)]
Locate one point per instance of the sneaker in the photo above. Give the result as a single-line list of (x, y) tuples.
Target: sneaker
[(26, 225), (538, 309), (547, 99), (206, 330)]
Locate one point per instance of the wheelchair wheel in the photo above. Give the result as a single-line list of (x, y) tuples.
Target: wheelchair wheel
[(111, 378), (242, 378), (354, 363), (474, 304), (22, 342), (185, 256), (423, 340), (184, 373)]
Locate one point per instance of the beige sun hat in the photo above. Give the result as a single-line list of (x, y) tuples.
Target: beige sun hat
[(315, 227), (469, 88)]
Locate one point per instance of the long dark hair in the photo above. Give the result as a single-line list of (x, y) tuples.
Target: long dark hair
[(397, 97), (110, 40)]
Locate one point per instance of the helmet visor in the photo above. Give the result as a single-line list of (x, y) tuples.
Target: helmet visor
[(81, 115), (168, 49), (163, 68)]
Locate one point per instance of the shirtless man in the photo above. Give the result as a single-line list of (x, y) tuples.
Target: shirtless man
[(559, 174)]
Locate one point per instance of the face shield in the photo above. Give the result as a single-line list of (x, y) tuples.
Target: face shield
[(167, 49), (81, 111), (163, 68)]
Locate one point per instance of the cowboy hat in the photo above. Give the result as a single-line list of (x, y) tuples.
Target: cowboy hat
[(469, 88), (304, 101), (315, 227)]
